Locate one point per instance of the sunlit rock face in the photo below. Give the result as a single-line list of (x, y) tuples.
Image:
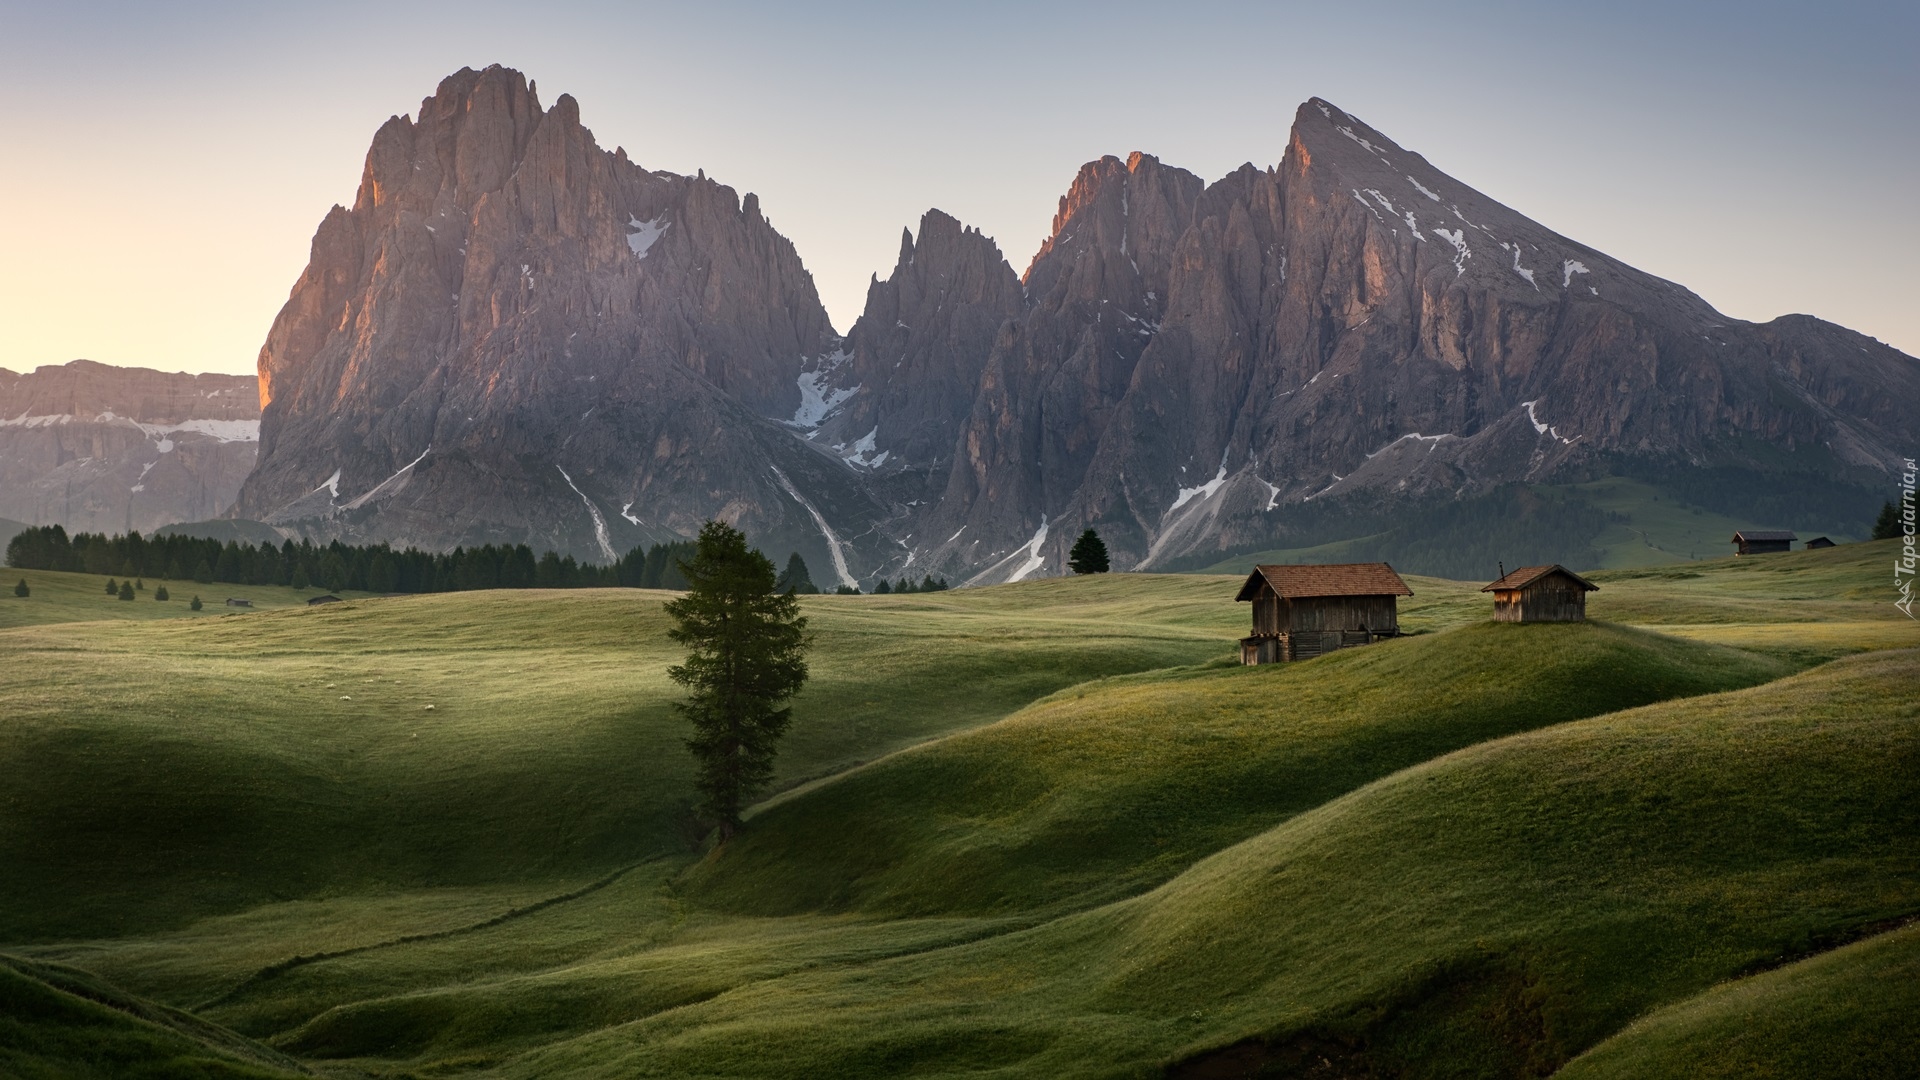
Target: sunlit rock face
[(514, 335), (1198, 362), (97, 448)]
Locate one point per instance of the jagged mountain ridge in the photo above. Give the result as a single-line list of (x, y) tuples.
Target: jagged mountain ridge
[(516, 336), (1197, 359), (99, 448)]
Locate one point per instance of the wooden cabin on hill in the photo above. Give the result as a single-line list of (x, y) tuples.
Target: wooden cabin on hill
[(1762, 541), (1541, 594), (1300, 612), (1818, 542)]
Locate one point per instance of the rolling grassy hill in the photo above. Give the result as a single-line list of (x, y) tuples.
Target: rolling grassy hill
[(1045, 829), (1850, 1014), (58, 1023)]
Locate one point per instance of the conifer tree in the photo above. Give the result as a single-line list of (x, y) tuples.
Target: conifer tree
[(746, 657), (796, 577), (126, 590), (21, 589), (1089, 554), (1888, 525), (196, 604), (883, 588), (300, 582), (161, 593), (203, 573), (113, 587)]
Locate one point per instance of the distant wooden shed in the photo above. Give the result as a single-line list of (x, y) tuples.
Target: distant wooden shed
[(1300, 612), (1762, 541), (1819, 542), (323, 598), (1541, 594), (235, 601)]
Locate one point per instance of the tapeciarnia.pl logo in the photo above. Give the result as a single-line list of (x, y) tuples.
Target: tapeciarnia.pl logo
[(1903, 567)]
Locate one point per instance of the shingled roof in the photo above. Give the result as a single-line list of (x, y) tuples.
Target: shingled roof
[(1527, 575), (1763, 534), (1338, 579)]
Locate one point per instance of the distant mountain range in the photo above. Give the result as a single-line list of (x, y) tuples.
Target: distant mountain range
[(514, 335), (109, 449)]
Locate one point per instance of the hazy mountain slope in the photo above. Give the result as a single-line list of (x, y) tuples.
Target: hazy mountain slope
[(98, 448)]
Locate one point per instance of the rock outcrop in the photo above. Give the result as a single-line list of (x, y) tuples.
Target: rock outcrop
[(97, 448), (517, 336)]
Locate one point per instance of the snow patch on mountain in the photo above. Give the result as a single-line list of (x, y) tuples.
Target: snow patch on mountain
[(645, 234)]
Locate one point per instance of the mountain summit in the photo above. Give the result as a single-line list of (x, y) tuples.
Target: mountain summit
[(516, 336)]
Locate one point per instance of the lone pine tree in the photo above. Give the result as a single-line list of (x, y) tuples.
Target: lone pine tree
[(21, 589), (747, 644), (1089, 554)]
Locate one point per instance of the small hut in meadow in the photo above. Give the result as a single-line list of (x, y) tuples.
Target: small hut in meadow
[(323, 598), (1300, 612), (1541, 594), (1762, 541), (1818, 542)]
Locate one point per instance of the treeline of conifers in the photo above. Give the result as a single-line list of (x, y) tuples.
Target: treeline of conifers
[(336, 566)]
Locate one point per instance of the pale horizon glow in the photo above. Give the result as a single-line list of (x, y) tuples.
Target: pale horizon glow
[(165, 171)]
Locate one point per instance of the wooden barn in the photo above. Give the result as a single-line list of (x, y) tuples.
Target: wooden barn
[(1300, 612), (323, 598), (1541, 594), (1818, 542), (1762, 541)]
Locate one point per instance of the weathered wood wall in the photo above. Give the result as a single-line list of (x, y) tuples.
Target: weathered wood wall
[(1273, 615), (1548, 601)]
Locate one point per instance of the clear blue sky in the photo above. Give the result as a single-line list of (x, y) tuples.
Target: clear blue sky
[(165, 165)]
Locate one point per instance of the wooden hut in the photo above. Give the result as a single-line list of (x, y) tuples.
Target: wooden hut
[(1541, 594), (1300, 612), (1818, 542), (1762, 541), (323, 598)]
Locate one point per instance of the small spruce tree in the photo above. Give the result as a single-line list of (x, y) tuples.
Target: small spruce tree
[(126, 590), (161, 593), (300, 582), (1887, 527), (113, 587), (203, 573), (883, 588), (1089, 554), (139, 584), (746, 657), (195, 605), (21, 589), (796, 577)]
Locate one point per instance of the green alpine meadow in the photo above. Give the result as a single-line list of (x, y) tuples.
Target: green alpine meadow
[(1046, 829)]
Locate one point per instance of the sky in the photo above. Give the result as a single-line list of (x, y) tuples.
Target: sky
[(164, 166)]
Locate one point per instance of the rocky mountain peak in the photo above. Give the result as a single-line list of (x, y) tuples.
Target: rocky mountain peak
[(913, 359), (515, 333)]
